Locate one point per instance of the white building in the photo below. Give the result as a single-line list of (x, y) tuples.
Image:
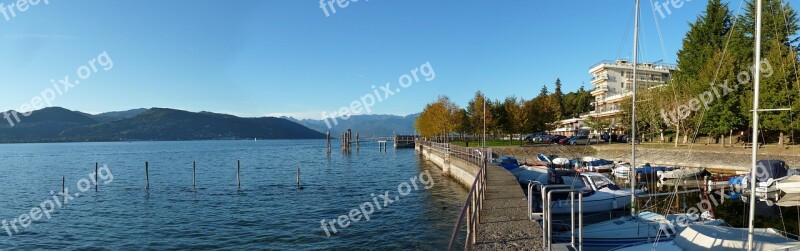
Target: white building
[(613, 82)]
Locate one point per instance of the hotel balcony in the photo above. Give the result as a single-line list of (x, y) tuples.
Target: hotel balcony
[(600, 89), (599, 78)]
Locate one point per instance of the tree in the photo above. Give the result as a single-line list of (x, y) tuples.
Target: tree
[(558, 95), (542, 112), (706, 36), (463, 125), (544, 91), (475, 111), (779, 87), (437, 118), (511, 116)]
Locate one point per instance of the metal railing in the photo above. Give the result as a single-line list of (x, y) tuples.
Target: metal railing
[(546, 215), (471, 211)]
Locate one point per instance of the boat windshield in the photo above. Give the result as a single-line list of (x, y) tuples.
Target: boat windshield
[(601, 181), (576, 182)]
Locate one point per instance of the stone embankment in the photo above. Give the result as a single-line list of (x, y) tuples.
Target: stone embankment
[(717, 158)]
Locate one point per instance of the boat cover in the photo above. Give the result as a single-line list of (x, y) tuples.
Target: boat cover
[(704, 237), (771, 169)]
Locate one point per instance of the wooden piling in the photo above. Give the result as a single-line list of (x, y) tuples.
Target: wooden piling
[(194, 171), (298, 176), (63, 186), (147, 175), (96, 165), (238, 181), (328, 137)]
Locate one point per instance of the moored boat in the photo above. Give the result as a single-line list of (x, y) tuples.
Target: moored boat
[(683, 173)]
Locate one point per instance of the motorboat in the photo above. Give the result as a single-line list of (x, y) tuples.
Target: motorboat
[(600, 194), (771, 172), (646, 227), (622, 170), (507, 162), (683, 173), (597, 165), (648, 172)]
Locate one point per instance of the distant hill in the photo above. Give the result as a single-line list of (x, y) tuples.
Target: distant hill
[(45, 125), (57, 124), (112, 116), (365, 125)]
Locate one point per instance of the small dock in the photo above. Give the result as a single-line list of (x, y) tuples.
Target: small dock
[(504, 223), (403, 141)]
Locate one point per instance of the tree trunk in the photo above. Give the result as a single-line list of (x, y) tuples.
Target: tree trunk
[(662, 135), (730, 138), (780, 140), (722, 140), (677, 133)]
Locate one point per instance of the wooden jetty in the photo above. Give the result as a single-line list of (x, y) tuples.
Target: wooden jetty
[(403, 141)]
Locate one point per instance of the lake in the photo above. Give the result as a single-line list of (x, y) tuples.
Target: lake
[(267, 211)]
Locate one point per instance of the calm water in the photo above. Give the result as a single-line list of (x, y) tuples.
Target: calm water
[(267, 212)]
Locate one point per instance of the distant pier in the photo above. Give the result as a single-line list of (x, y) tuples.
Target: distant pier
[(403, 141)]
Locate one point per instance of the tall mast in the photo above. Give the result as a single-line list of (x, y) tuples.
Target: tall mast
[(632, 138), (754, 168)]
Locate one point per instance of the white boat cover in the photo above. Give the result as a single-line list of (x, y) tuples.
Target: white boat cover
[(704, 237), (560, 161), (790, 185), (688, 172)]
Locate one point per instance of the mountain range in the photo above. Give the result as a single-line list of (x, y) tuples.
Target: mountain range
[(366, 126), (56, 124)]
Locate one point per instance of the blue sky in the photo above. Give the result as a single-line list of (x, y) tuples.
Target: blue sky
[(286, 57)]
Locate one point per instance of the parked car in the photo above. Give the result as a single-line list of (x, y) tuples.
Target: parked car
[(541, 137), (579, 140), (554, 139), (564, 140), (625, 139), (606, 137)]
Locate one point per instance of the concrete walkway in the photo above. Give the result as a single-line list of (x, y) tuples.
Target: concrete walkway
[(504, 221)]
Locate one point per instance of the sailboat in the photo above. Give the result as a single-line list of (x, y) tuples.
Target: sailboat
[(696, 237)]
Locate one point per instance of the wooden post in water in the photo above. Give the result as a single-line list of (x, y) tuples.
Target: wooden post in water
[(328, 137), (95, 175), (147, 175), (194, 171), (298, 177), (238, 181), (63, 186)]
